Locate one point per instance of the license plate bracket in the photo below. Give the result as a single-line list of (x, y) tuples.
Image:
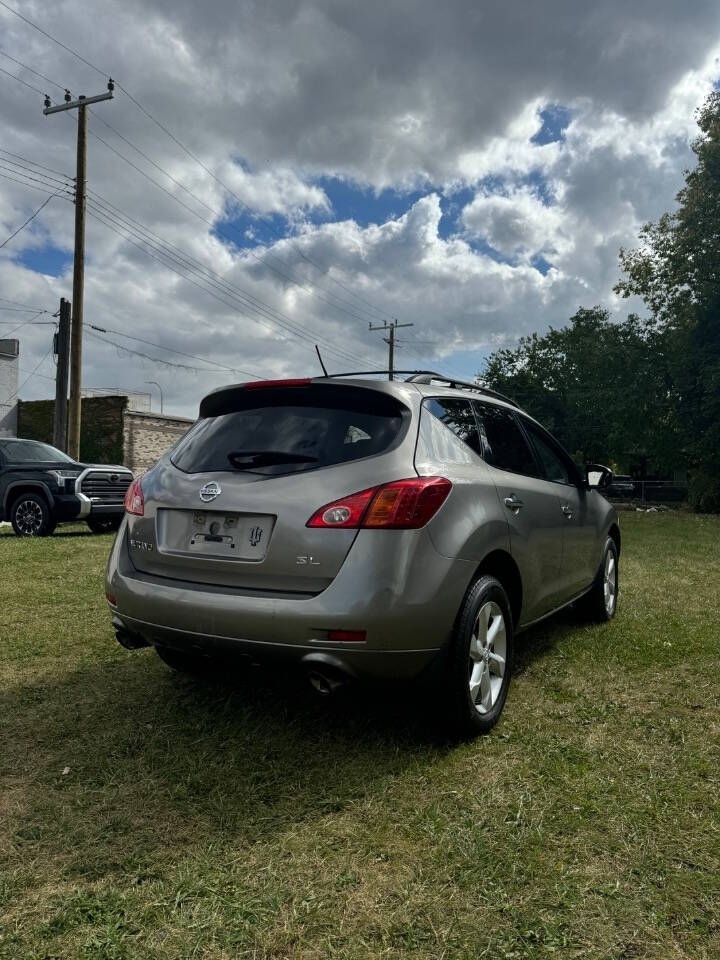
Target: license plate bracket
[(215, 534)]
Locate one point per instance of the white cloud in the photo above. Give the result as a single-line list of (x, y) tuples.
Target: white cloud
[(271, 97)]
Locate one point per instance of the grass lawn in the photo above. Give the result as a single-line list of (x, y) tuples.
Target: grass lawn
[(146, 815)]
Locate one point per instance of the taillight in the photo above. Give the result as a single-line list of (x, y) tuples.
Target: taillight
[(401, 505), (134, 501)]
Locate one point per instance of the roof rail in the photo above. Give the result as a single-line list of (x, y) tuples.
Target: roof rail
[(428, 376)]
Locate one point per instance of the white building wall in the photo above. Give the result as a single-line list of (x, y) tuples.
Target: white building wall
[(9, 365)]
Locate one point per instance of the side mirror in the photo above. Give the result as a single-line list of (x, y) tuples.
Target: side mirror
[(597, 476)]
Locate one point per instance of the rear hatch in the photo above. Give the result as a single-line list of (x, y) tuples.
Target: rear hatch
[(230, 504)]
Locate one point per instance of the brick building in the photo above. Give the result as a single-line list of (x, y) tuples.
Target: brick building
[(9, 363), (111, 431)]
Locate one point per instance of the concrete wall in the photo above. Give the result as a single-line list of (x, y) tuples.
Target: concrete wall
[(147, 436), (9, 365)]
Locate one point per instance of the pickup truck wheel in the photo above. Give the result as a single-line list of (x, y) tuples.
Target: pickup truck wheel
[(104, 524), (479, 667), (31, 517)]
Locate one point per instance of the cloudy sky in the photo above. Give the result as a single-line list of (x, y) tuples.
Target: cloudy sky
[(279, 174)]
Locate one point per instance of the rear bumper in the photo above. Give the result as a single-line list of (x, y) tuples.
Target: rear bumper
[(401, 592)]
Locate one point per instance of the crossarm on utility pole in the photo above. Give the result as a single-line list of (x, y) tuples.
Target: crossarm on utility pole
[(390, 340)]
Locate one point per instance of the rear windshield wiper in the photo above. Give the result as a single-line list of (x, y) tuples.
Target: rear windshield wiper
[(266, 458)]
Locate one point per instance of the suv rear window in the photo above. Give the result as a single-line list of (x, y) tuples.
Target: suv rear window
[(291, 430)]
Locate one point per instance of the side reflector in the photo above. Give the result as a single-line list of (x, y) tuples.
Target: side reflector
[(401, 505), (261, 384), (111, 599), (346, 636), (134, 499)]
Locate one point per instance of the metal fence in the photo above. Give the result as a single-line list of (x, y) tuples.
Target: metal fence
[(649, 491)]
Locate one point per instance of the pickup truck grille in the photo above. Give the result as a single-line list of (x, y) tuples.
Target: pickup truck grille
[(105, 488)]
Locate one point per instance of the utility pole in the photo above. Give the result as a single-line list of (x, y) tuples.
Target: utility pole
[(62, 349), (390, 340), (81, 104)]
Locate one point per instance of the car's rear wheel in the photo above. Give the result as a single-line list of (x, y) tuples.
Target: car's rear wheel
[(104, 524), (600, 603), (479, 668), (31, 517)]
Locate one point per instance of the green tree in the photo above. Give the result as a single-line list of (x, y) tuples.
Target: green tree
[(676, 270), (601, 387)]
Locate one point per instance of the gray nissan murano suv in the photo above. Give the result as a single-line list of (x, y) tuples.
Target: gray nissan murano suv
[(363, 528)]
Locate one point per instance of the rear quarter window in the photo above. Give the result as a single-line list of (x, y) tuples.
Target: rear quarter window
[(292, 430)]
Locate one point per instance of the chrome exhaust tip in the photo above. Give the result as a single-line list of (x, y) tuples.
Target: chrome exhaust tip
[(324, 684)]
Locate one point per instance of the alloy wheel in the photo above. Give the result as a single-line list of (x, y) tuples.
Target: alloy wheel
[(610, 582), (29, 517), (488, 654)]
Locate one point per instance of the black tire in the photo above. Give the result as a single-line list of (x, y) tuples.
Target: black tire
[(596, 605), (467, 717), (104, 524), (30, 516), (192, 664)]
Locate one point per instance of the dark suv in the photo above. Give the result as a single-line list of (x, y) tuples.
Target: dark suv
[(41, 486)]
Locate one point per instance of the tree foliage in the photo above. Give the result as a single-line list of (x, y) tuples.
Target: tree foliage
[(676, 270), (597, 385), (643, 389)]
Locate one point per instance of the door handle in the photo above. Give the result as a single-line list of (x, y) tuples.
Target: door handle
[(567, 511), (513, 503)]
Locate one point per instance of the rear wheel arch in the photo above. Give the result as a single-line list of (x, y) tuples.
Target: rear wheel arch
[(500, 564)]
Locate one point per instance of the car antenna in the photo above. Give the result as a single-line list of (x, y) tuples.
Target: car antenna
[(317, 351)]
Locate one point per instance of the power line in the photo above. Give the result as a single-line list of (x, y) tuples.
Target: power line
[(163, 257), (53, 83), (248, 300), (62, 178), (218, 214), (5, 176), (223, 231), (160, 361), (23, 82), (34, 163), (54, 39), (29, 219), (46, 181), (189, 152), (30, 375), (242, 202), (24, 324), (185, 261), (16, 303), (159, 346)]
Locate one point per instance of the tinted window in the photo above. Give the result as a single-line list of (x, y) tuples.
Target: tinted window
[(270, 437), (32, 451), (508, 448), (552, 464), (458, 416)]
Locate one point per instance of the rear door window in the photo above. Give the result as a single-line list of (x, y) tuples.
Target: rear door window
[(292, 430), (507, 447)]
